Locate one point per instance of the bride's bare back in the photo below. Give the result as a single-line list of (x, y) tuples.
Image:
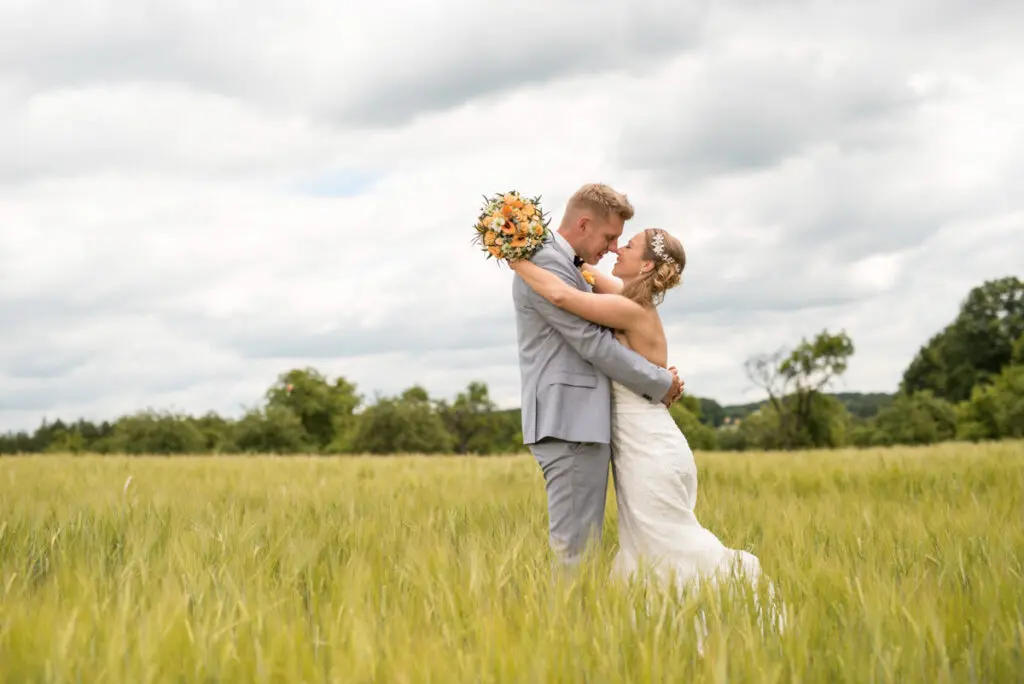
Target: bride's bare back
[(646, 337)]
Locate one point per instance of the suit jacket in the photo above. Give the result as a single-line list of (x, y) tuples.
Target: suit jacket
[(565, 362)]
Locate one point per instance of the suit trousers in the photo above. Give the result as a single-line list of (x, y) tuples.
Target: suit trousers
[(576, 480)]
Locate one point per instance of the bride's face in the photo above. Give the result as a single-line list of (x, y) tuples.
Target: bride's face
[(631, 260)]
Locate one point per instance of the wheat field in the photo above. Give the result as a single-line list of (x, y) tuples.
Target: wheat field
[(894, 565)]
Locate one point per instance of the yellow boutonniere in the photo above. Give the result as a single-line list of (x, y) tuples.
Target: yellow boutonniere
[(589, 277)]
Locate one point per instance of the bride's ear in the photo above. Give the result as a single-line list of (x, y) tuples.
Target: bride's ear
[(646, 267)]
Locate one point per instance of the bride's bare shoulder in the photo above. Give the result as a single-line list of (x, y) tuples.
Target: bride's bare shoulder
[(646, 339)]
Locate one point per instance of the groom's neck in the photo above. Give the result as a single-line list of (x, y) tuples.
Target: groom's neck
[(570, 237)]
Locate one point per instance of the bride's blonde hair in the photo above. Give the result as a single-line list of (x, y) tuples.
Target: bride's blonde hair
[(669, 261)]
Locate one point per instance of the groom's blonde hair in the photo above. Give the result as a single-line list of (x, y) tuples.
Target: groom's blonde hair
[(600, 199)]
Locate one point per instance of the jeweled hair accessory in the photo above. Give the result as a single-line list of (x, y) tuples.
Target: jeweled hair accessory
[(658, 247)]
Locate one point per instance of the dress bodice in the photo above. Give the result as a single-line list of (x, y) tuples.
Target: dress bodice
[(625, 400)]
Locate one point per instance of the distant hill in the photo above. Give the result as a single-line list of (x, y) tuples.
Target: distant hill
[(863, 405)]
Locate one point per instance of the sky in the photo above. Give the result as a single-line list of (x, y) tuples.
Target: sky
[(196, 197)]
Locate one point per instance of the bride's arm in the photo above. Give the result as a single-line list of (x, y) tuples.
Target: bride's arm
[(611, 311), (604, 283)]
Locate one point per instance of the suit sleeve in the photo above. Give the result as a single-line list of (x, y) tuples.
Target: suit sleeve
[(594, 343)]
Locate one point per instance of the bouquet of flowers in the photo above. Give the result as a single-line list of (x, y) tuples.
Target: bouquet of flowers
[(509, 227)]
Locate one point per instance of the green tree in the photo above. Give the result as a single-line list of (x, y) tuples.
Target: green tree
[(218, 433), (996, 410), (1017, 357), (824, 424), (409, 423), (275, 429), (476, 425), (155, 432), (20, 442), (920, 418), (794, 381), (973, 348), (864, 405), (687, 415), (757, 430), (67, 442), (729, 438), (325, 409)]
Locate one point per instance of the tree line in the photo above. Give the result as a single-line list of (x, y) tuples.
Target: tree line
[(966, 382)]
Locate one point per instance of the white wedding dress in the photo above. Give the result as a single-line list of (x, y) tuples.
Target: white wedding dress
[(656, 493)]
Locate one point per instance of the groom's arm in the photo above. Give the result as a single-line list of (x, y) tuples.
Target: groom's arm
[(594, 343)]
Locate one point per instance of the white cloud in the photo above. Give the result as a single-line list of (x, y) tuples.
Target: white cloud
[(193, 200), (139, 127), (364, 63)]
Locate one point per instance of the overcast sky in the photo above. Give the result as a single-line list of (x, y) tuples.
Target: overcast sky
[(193, 200)]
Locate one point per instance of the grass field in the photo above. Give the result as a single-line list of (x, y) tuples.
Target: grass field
[(895, 565)]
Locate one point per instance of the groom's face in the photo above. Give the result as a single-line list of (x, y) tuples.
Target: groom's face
[(601, 236)]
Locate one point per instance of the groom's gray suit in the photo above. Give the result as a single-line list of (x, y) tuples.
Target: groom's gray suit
[(565, 363)]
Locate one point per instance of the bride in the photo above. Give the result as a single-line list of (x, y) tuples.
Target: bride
[(653, 466)]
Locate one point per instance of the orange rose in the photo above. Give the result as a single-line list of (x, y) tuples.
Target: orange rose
[(495, 251)]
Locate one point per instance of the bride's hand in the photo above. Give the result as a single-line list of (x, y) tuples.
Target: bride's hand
[(676, 390)]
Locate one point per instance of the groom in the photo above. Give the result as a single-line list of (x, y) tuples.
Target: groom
[(565, 364)]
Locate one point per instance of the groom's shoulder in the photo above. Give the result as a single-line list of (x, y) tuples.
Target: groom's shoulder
[(544, 253), (547, 255)]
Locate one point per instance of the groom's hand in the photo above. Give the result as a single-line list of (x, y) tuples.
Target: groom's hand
[(676, 390)]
